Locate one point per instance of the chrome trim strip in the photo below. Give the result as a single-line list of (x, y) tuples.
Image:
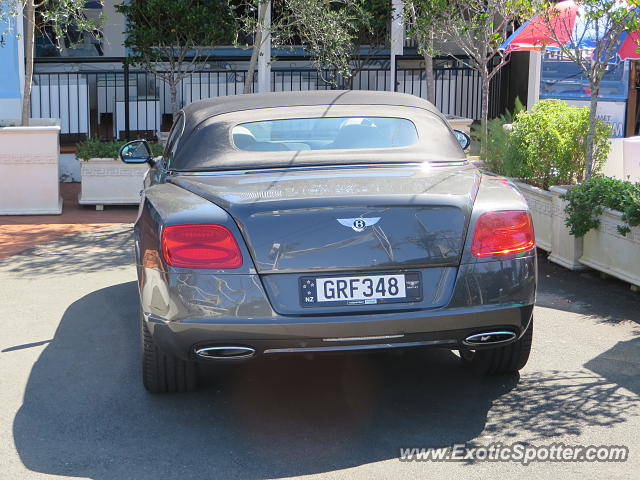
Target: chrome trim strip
[(356, 339), (213, 173), (346, 348)]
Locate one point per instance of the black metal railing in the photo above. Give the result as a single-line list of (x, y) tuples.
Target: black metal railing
[(101, 98), (458, 88)]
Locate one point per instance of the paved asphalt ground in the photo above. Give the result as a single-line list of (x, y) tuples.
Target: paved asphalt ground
[(72, 404)]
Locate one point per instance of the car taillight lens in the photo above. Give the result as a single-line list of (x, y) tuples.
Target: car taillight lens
[(502, 233), (200, 246)]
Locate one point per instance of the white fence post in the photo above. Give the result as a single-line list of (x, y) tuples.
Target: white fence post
[(397, 38), (535, 66), (264, 58)]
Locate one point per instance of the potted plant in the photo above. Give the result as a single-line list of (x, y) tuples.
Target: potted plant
[(544, 149), (605, 212), (105, 179), (29, 179)]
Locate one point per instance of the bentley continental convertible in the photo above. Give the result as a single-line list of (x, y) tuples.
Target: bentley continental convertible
[(326, 221)]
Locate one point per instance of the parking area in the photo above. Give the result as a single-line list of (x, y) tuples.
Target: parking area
[(74, 406)]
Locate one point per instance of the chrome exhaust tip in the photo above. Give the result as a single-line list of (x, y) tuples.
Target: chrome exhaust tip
[(225, 352), (489, 338)]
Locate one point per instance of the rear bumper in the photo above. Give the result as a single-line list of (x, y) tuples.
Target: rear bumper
[(184, 311), (446, 329)]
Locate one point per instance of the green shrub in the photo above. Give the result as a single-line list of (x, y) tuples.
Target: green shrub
[(587, 201), (496, 150), (96, 149), (547, 145)]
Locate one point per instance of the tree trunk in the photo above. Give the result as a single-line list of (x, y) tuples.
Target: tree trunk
[(484, 115), (257, 42), (426, 45), (30, 16), (173, 92), (593, 116), (429, 78)]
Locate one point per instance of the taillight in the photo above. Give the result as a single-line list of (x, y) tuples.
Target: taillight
[(502, 233), (200, 246)]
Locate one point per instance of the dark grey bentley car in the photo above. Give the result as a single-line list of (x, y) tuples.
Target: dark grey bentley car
[(288, 223)]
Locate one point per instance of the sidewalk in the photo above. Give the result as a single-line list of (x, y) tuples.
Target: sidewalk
[(19, 233)]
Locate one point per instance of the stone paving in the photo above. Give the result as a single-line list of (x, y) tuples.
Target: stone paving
[(21, 232)]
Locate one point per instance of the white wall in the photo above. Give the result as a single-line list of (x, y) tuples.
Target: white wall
[(614, 166)]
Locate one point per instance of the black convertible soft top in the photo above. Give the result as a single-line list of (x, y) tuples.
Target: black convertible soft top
[(206, 140), (196, 112)]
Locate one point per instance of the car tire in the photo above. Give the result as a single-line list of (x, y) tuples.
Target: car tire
[(162, 373), (507, 359)]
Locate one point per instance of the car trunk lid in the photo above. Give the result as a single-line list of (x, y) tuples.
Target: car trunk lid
[(346, 219)]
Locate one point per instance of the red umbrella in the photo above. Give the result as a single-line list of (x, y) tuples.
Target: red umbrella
[(629, 47), (568, 24)]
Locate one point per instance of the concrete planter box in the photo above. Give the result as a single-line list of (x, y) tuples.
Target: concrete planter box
[(29, 181), (603, 249), (607, 251), (541, 205), (566, 249), (552, 235), (110, 182)]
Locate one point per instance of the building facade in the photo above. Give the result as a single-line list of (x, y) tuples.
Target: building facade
[(93, 95)]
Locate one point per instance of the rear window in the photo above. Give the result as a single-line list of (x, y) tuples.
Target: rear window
[(326, 133)]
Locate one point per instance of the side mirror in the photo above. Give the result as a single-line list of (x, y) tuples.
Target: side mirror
[(463, 139), (137, 151)]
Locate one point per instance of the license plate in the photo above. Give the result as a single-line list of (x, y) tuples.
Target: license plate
[(360, 289)]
